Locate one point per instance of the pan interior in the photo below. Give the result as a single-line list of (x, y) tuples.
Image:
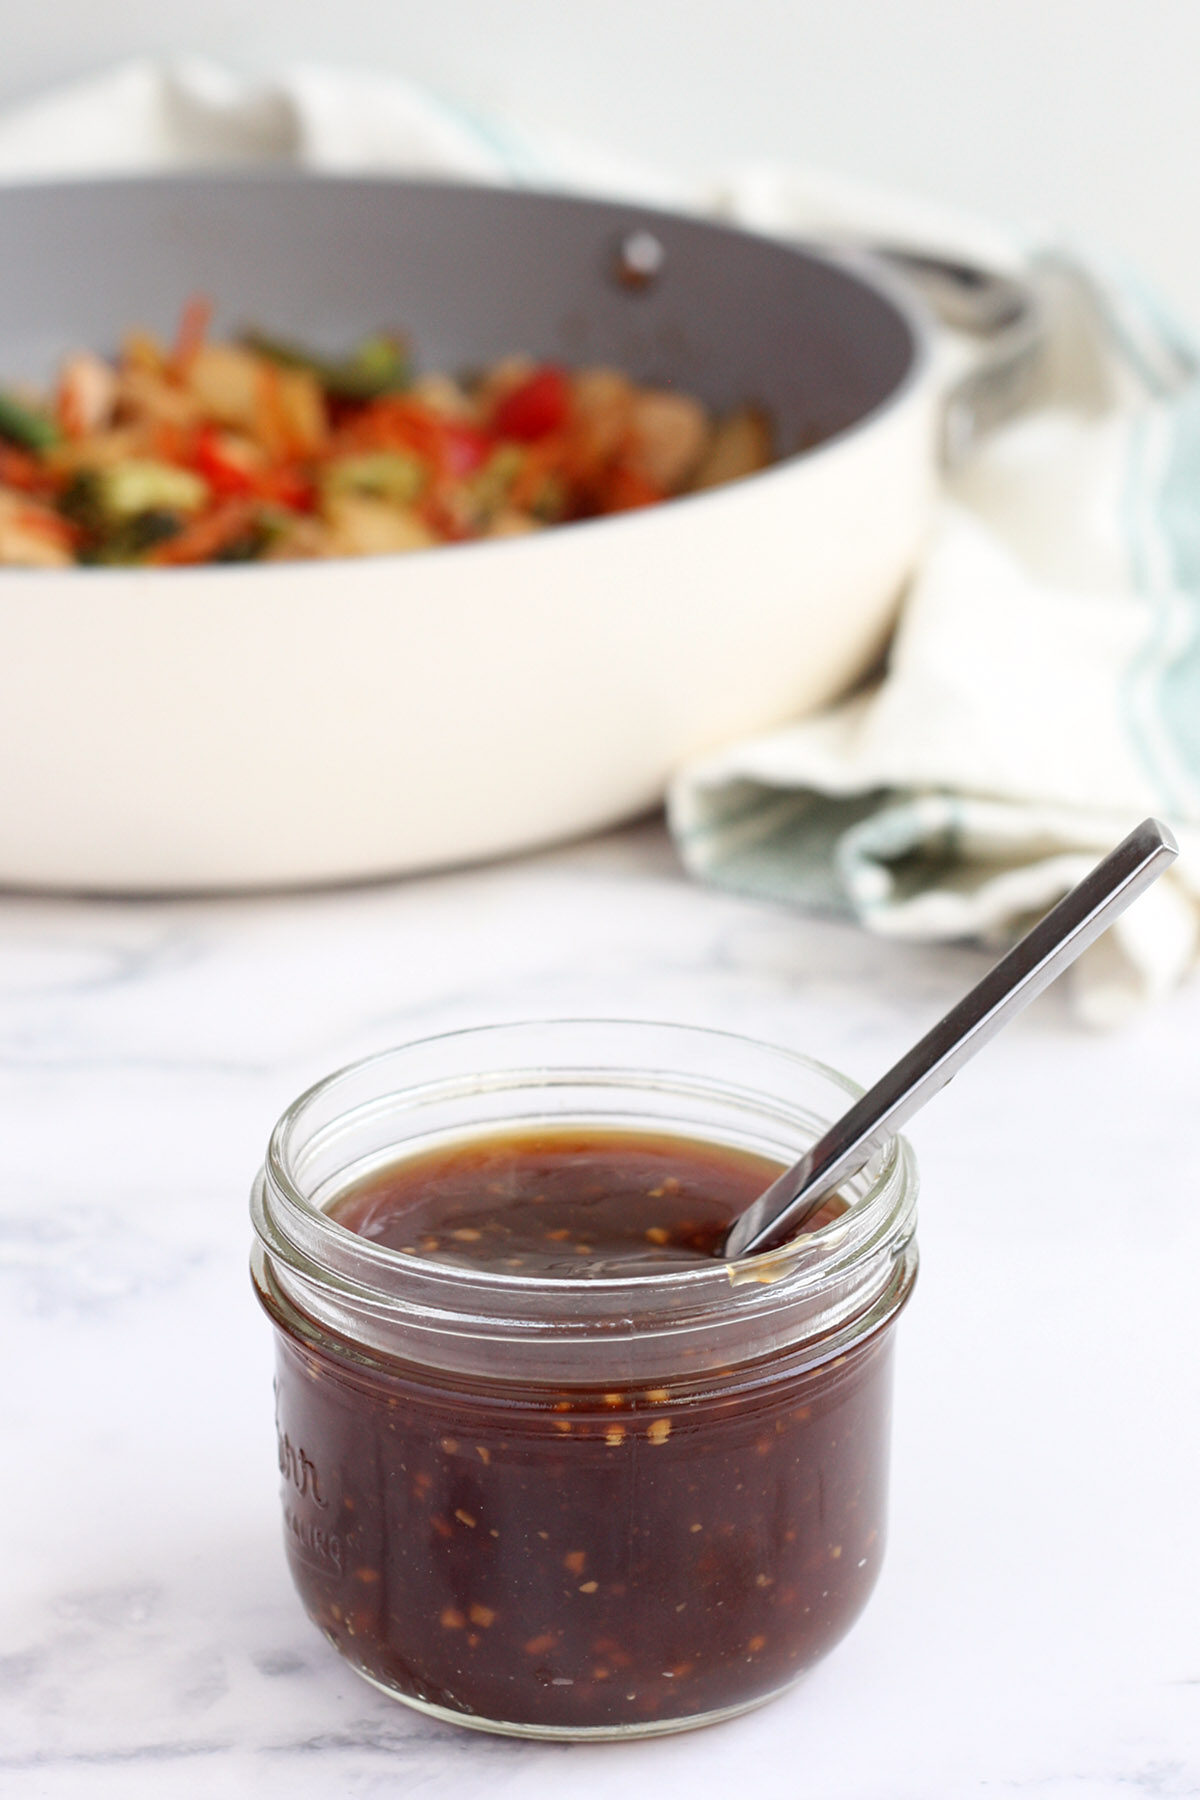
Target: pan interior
[(469, 274)]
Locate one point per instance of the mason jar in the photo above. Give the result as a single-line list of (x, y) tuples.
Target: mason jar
[(580, 1509)]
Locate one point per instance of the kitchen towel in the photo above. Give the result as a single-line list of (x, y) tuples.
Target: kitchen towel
[(1042, 692)]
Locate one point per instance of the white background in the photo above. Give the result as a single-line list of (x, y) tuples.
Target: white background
[(1079, 115)]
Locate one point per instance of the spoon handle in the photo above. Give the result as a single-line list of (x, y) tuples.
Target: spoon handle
[(1031, 965)]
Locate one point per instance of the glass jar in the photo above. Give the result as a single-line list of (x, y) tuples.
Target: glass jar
[(566, 1509)]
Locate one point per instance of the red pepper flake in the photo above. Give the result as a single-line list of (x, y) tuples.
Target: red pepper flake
[(452, 1619), (575, 1561), (481, 1615), (538, 1646), (464, 1518)]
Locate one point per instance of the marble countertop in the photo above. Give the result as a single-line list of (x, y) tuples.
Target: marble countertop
[(1036, 1632)]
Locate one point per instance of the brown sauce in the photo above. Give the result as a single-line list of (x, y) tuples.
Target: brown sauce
[(580, 1205), (578, 1557)]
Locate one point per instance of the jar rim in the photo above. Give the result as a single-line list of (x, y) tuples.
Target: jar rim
[(856, 1252), (882, 1167)]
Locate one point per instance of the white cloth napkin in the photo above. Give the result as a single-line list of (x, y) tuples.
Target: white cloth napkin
[(1043, 690)]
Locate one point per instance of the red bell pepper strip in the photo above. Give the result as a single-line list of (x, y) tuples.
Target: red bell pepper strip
[(540, 405), (230, 478)]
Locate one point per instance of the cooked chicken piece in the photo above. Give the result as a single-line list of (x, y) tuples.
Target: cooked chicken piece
[(284, 409), (103, 450), (143, 396), (363, 527), (302, 408), (668, 435), (226, 382), (443, 395), (741, 444), (602, 411), (510, 523), (31, 536), (87, 393)]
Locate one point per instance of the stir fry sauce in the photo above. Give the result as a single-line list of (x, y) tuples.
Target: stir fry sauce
[(208, 451), (571, 1555)]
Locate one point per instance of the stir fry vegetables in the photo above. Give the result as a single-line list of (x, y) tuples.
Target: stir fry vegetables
[(207, 451)]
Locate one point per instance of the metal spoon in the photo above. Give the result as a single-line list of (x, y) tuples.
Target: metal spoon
[(1031, 965)]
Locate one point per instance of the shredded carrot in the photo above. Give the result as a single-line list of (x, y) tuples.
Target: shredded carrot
[(70, 414), (49, 525), (170, 442), (18, 469), (272, 427), (624, 490), (395, 424), (204, 538), (193, 329)]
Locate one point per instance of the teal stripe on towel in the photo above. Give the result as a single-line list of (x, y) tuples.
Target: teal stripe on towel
[(1180, 516), (1161, 687)]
